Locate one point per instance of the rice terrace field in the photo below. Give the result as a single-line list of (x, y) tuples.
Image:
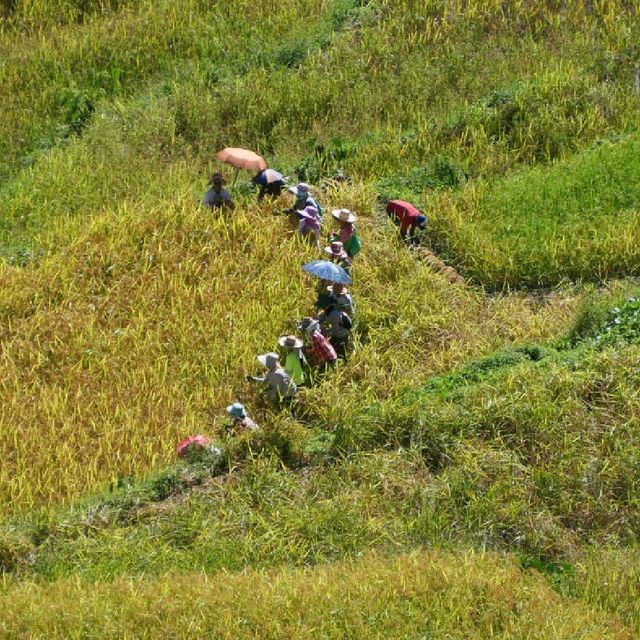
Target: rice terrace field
[(472, 470)]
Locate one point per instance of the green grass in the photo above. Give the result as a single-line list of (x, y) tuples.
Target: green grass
[(574, 221), (431, 595)]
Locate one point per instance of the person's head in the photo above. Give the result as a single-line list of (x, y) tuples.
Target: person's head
[(290, 342), (237, 411), (310, 216), (309, 325), (338, 289), (217, 181), (336, 249), (301, 191), (269, 360), (422, 221)]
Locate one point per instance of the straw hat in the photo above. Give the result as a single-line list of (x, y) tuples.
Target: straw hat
[(237, 410), (344, 215), (290, 342), (269, 360)]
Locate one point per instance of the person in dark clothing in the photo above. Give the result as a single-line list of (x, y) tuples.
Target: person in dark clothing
[(336, 325), (217, 196), (271, 183)]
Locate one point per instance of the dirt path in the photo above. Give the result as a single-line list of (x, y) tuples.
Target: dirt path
[(435, 263)]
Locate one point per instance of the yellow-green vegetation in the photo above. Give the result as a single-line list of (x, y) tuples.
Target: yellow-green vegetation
[(578, 220), (498, 415), (415, 596)]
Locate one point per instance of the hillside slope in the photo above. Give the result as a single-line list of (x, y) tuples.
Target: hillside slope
[(496, 413)]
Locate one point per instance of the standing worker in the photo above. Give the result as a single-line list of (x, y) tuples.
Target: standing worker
[(319, 349), (217, 196), (347, 232), (336, 325), (310, 223), (295, 359)]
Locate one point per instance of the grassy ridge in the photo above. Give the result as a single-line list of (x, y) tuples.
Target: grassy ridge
[(427, 594), (536, 456)]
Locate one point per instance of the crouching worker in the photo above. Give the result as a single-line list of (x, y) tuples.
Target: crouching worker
[(304, 199), (295, 362), (278, 383), (409, 218), (271, 183), (241, 421), (339, 255), (198, 449)]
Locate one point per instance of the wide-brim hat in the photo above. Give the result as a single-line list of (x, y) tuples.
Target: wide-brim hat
[(301, 189), (290, 342), (309, 324), (344, 215), (236, 410), (269, 360), (309, 213), (343, 289)]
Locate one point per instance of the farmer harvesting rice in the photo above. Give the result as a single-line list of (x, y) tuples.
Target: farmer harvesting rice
[(310, 224), (319, 350), (336, 325), (339, 255), (295, 360), (271, 183), (240, 419), (409, 218), (304, 199), (344, 298), (347, 231), (278, 383), (191, 445), (217, 196)]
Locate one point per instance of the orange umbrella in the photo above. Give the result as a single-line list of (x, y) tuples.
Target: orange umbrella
[(242, 159)]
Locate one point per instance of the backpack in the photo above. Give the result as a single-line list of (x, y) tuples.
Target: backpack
[(345, 321), (353, 245)]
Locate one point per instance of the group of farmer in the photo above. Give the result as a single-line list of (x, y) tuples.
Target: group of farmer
[(326, 336)]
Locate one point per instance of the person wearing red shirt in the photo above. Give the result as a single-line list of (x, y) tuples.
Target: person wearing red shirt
[(408, 217)]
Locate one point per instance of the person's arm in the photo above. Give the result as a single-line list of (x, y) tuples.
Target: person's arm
[(255, 379)]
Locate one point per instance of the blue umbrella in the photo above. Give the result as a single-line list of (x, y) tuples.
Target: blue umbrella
[(327, 271), (268, 176)]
